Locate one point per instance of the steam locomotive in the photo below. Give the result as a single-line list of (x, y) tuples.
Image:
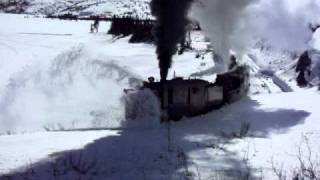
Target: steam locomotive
[(191, 97)]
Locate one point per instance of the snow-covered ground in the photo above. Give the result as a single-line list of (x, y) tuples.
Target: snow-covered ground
[(202, 147), (19, 150), (55, 75)]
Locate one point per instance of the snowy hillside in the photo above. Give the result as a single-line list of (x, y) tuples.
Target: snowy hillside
[(78, 7)]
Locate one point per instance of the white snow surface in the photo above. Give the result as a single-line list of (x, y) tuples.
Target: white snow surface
[(55, 75), (280, 124), (19, 150)]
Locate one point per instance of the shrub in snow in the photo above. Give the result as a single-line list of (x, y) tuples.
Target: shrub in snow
[(14, 6), (303, 68), (307, 167), (315, 71), (242, 133), (308, 68)]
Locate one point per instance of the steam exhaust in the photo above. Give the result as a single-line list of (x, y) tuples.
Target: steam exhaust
[(170, 29)]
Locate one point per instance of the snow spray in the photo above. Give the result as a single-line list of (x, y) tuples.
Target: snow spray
[(69, 92)]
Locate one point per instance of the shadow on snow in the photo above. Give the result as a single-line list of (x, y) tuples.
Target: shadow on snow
[(157, 154)]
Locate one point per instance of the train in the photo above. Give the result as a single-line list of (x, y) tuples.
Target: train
[(180, 97)]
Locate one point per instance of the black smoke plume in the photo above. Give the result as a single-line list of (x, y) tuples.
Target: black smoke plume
[(170, 29)]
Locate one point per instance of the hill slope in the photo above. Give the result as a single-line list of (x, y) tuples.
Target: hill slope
[(79, 7)]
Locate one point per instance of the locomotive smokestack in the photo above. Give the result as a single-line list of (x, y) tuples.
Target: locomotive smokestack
[(170, 29)]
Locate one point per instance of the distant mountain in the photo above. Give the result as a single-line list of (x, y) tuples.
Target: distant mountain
[(77, 7)]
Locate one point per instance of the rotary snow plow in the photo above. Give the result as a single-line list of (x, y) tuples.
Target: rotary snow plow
[(176, 98)]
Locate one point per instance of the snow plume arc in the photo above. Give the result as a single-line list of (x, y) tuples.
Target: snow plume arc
[(66, 92), (224, 22), (170, 29)]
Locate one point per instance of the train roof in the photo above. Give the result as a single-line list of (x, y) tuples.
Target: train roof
[(177, 82)]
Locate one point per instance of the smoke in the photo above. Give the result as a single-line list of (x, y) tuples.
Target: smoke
[(170, 29), (284, 25), (224, 22), (234, 25)]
